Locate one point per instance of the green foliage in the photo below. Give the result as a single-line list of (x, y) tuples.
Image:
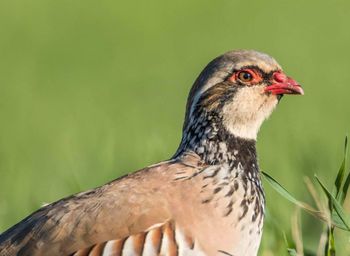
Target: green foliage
[(282, 191), (337, 216)]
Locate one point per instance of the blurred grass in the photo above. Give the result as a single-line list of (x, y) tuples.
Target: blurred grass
[(92, 90)]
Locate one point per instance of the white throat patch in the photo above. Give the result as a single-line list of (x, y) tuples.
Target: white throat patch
[(249, 108)]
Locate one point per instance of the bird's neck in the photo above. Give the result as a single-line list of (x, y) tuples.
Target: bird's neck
[(206, 136)]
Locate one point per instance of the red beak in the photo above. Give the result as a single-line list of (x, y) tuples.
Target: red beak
[(284, 85)]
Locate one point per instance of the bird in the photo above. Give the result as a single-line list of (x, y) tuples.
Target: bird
[(207, 199)]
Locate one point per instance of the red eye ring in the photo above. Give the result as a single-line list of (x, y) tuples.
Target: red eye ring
[(246, 76)]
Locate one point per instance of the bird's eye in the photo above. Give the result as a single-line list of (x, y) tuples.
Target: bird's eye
[(245, 76)]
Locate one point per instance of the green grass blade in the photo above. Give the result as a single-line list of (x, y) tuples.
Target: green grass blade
[(330, 246), (345, 189), (280, 189), (336, 220), (340, 176), (337, 207)]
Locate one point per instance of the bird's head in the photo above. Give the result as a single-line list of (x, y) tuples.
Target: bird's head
[(241, 87)]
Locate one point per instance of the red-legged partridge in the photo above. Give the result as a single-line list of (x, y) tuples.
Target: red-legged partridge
[(206, 200)]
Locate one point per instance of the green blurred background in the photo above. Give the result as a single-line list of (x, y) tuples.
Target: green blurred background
[(91, 90)]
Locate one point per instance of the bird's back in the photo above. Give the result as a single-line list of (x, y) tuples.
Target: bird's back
[(126, 206)]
